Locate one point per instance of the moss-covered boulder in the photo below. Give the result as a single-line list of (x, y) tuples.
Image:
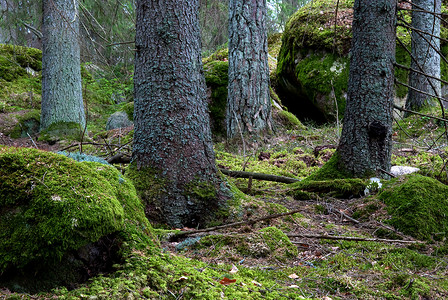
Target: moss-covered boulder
[(216, 68), (21, 123), (418, 206), (313, 63), (20, 78), (53, 210), (312, 69)]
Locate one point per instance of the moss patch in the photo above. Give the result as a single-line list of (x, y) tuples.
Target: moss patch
[(62, 130), (418, 206)]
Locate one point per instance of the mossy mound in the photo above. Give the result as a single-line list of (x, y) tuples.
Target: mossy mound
[(418, 206), (53, 206), (269, 242), (62, 130)]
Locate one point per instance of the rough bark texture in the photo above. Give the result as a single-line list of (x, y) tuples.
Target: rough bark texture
[(61, 69), (172, 131), (249, 104), (366, 139), (426, 59)]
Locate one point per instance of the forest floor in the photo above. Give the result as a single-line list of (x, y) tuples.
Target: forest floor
[(381, 264)]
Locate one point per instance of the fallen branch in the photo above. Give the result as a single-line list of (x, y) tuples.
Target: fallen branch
[(119, 158), (348, 238), (248, 222), (259, 176)]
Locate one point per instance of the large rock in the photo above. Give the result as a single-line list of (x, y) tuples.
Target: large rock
[(59, 218), (119, 119), (313, 63)]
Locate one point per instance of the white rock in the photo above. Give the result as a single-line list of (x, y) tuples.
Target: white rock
[(403, 170)]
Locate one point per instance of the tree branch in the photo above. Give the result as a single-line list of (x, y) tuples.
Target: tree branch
[(236, 224), (259, 176), (349, 238)]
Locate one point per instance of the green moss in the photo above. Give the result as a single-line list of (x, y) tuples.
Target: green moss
[(339, 188), (51, 204), (418, 206), (216, 77), (329, 171), (201, 190), (128, 108), (28, 124), (290, 121), (14, 59), (269, 242), (278, 243), (62, 130)]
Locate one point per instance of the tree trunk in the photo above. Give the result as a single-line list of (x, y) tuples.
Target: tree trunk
[(249, 104), (425, 58), (172, 139), (61, 69), (366, 140)]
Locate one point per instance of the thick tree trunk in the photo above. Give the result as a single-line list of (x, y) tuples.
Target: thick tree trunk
[(249, 104), (172, 139), (61, 69), (426, 59), (366, 139)]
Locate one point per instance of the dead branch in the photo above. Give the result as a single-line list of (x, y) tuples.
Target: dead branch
[(236, 224), (259, 176), (119, 158), (420, 114), (409, 26), (120, 43), (417, 90), (419, 72), (349, 238)]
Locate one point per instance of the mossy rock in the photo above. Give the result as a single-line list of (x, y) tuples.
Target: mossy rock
[(20, 124), (418, 206), (313, 63), (216, 69), (15, 59), (53, 209), (28, 124)]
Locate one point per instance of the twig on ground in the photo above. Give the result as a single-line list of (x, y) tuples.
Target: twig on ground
[(248, 222), (349, 238)]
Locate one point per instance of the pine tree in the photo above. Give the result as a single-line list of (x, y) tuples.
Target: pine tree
[(173, 159)]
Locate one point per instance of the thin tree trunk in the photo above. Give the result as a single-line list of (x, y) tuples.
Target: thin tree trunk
[(366, 140), (249, 104), (173, 159), (425, 58), (61, 69)]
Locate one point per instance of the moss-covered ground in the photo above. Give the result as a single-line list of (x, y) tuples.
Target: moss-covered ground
[(263, 260)]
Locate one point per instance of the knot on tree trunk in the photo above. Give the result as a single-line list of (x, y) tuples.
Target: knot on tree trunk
[(377, 130)]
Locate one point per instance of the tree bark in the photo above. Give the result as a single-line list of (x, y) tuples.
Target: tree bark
[(61, 70), (172, 132), (366, 140), (249, 104), (425, 58)]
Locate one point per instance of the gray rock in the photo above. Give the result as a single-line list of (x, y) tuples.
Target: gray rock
[(118, 119)]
